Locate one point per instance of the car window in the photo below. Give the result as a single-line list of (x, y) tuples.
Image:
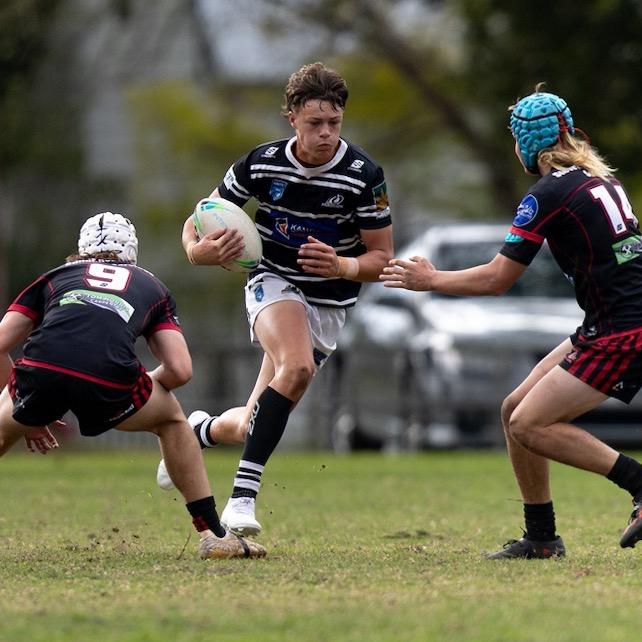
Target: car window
[(543, 277)]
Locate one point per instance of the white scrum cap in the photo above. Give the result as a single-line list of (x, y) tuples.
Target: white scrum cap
[(108, 232)]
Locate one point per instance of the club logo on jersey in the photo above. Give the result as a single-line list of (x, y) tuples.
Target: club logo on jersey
[(526, 211), (357, 165), (627, 249), (277, 187), (333, 201), (270, 152), (380, 194)]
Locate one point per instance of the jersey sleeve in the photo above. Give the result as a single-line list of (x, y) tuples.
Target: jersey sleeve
[(373, 208), (528, 231), (163, 316), (32, 300), (235, 186)]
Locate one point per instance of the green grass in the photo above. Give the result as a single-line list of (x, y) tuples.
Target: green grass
[(363, 548)]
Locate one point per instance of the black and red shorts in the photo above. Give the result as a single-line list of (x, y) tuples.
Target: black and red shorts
[(41, 394), (611, 364)]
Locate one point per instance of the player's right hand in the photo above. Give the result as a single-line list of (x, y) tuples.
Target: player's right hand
[(414, 274), (218, 248)]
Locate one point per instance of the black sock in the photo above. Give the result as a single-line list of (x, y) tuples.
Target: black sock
[(266, 427), (540, 522), (204, 516), (627, 474), (202, 432)]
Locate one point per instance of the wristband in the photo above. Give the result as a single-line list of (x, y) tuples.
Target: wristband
[(348, 267), (189, 250)]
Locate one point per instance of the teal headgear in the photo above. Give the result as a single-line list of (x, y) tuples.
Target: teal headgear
[(537, 122)]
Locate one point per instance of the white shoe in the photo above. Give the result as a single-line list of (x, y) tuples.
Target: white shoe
[(238, 516), (162, 477)]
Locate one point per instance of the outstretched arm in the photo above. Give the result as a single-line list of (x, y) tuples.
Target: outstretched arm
[(416, 273)]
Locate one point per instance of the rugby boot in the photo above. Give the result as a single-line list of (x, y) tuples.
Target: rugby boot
[(633, 532), (212, 547), (525, 548)]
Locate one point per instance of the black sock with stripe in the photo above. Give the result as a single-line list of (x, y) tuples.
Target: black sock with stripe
[(266, 427)]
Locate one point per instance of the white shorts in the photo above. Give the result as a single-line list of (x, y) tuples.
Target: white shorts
[(325, 323)]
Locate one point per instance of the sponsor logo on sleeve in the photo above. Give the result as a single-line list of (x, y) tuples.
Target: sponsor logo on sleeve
[(229, 177), (526, 211), (628, 249), (380, 194)]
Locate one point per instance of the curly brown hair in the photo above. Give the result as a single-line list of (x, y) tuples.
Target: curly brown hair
[(102, 256), (315, 81)]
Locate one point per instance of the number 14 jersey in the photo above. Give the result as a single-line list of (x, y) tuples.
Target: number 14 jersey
[(595, 238)]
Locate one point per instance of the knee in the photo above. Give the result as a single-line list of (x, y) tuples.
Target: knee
[(171, 426), (520, 429), (508, 408), (296, 377)]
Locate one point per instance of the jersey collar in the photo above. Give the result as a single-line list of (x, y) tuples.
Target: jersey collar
[(309, 172)]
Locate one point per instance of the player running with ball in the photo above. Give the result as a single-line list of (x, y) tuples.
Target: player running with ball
[(584, 214), (325, 225)]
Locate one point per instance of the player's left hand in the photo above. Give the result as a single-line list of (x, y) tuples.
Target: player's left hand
[(414, 274), (41, 439), (316, 257)]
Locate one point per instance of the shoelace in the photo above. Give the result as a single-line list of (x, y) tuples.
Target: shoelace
[(510, 542)]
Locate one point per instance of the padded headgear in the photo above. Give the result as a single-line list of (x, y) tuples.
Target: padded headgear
[(108, 232), (537, 122)]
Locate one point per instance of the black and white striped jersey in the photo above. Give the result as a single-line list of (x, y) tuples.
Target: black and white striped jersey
[(331, 202)]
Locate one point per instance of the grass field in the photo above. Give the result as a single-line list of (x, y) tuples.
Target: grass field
[(361, 548)]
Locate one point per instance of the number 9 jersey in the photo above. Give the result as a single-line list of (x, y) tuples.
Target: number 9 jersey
[(87, 316), (594, 236)]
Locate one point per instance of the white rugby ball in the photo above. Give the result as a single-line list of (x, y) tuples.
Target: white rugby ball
[(211, 214)]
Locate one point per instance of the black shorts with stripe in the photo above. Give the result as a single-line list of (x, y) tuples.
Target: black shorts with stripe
[(611, 364), (42, 395)]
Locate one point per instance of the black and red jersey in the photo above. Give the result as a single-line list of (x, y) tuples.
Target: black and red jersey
[(88, 315), (331, 202), (594, 236)]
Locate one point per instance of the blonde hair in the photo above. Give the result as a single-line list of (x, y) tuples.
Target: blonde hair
[(569, 151)]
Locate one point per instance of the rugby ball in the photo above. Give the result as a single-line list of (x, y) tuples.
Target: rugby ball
[(211, 214)]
